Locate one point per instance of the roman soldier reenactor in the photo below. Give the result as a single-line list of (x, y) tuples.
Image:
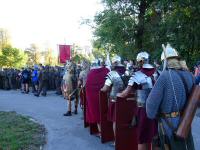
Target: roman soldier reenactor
[(169, 98), (114, 84), (70, 87), (142, 82)]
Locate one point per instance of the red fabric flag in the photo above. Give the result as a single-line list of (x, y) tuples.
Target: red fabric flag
[(64, 53)]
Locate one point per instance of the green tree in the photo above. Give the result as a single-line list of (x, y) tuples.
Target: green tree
[(130, 26), (125, 25), (4, 38), (34, 55), (13, 58), (181, 22)]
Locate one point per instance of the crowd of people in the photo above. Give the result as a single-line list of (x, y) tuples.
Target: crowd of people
[(32, 79), (161, 95)]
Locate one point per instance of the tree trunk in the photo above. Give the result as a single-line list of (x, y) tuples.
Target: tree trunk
[(141, 21)]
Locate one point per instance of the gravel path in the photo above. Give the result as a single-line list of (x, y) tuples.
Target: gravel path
[(64, 133)]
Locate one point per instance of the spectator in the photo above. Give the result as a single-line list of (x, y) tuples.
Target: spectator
[(25, 80), (35, 81), (43, 82)]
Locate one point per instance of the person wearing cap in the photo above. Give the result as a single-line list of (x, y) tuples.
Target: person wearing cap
[(142, 82), (114, 84), (168, 98)]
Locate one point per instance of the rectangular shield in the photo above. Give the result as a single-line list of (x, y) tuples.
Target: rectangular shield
[(126, 131), (93, 128), (106, 126), (83, 102)]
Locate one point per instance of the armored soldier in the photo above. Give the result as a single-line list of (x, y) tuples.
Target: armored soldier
[(115, 84), (70, 87), (142, 82), (168, 98)]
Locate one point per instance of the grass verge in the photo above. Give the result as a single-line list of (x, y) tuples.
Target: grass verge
[(20, 133)]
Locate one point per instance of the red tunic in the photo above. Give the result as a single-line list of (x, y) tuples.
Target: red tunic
[(95, 81)]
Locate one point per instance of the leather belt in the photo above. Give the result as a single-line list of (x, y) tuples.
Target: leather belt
[(139, 104), (171, 115)]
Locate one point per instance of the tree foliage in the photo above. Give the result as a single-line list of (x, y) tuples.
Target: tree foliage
[(33, 53), (50, 59), (129, 26), (12, 58), (4, 38)]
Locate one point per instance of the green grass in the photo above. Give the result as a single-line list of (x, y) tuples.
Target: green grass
[(20, 133)]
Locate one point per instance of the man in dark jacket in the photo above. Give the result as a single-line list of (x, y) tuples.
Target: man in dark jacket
[(43, 81), (25, 80)]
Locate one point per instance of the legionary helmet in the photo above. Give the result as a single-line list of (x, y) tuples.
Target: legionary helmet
[(143, 59), (169, 53), (116, 60), (143, 56)]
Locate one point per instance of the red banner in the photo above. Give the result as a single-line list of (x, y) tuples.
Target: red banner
[(64, 53)]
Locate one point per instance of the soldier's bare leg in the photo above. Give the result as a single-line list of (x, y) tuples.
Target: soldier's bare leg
[(114, 128), (99, 129), (68, 113), (114, 131)]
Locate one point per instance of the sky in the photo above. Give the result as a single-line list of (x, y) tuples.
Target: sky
[(47, 22)]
